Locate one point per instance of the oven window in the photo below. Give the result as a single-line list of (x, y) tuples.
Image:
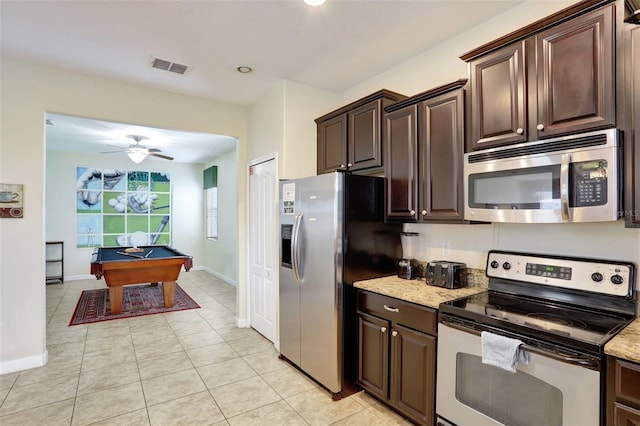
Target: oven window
[(517, 399), (527, 188)]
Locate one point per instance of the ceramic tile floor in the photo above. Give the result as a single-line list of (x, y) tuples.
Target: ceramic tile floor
[(184, 368)]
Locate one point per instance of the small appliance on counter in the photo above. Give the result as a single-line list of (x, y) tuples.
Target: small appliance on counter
[(409, 267), (443, 273)]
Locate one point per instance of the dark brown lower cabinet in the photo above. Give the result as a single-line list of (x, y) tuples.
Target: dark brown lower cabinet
[(623, 392), (397, 354)]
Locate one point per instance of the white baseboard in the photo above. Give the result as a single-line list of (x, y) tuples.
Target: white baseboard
[(242, 323), (33, 361), (216, 274), (79, 277)]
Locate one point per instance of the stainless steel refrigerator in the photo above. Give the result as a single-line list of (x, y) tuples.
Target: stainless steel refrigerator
[(332, 233)]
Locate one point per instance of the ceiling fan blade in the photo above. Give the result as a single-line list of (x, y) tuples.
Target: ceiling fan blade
[(112, 152), (153, 154), (153, 150)]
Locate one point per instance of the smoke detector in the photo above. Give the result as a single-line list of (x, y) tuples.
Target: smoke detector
[(163, 64)]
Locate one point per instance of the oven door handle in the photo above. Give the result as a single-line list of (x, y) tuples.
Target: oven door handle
[(592, 363)]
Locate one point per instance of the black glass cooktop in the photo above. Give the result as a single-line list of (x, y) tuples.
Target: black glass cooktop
[(537, 317)]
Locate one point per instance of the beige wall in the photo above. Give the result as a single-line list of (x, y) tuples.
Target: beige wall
[(222, 254), (27, 93)]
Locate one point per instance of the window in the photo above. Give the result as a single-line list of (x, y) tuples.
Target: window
[(211, 213), (210, 180)]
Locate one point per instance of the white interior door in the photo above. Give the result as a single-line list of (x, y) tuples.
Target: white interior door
[(263, 259)]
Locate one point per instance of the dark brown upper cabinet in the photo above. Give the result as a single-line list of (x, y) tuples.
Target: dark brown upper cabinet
[(553, 77), (424, 147), (632, 137), (350, 138)]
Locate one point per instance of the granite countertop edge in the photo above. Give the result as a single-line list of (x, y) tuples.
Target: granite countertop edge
[(415, 291), (626, 344)]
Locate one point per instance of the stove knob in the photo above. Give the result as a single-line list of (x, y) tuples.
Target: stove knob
[(506, 265), (597, 277), (617, 279), (494, 264)]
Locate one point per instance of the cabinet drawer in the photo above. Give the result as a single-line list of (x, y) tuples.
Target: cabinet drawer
[(626, 416), (627, 382), (409, 314)]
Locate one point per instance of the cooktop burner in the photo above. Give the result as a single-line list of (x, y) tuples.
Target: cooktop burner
[(541, 316)]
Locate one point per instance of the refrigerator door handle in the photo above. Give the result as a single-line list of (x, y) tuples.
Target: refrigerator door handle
[(295, 248)]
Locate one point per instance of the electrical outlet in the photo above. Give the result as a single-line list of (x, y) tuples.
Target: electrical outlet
[(446, 249)]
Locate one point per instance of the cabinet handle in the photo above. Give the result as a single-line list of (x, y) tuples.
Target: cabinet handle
[(423, 212), (390, 309), (412, 212), (350, 165), (540, 127), (394, 333), (519, 130), (383, 329), (342, 166)]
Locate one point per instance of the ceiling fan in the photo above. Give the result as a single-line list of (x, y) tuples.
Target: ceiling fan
[(137, 152)]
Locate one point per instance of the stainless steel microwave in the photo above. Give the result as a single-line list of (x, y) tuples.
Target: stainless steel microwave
[(573, 178)]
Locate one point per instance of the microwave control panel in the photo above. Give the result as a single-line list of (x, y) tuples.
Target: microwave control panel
[(589, 183)]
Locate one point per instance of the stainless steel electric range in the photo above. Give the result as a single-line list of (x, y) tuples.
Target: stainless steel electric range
[(564, 310)]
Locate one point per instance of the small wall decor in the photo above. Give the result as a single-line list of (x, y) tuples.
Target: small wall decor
[(122, 208), (11, 197)]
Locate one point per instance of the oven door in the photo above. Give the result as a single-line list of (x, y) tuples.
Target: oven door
[(544, 392), (579, 185)]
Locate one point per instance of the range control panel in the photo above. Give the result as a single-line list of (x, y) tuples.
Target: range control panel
[(598, 276)]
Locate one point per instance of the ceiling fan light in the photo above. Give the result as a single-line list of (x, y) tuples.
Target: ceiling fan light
[(136, 156)]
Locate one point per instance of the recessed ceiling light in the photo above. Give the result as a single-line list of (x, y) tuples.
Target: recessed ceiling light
[(244, 69), (314, 2)]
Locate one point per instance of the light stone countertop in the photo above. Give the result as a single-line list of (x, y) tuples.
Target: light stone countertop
[(416, 291), (626, 344)]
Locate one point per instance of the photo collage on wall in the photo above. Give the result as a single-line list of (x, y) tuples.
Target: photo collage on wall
[(122, 208)]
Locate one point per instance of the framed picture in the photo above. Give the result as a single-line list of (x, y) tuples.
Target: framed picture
[(122, 208), (11, 197)]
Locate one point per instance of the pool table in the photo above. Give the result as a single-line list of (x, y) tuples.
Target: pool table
[(153, 264)]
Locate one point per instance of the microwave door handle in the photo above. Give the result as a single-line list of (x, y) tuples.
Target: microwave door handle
[(295, 248), (564, 186)]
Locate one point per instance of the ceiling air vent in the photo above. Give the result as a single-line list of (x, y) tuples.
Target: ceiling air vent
[(163, 64)]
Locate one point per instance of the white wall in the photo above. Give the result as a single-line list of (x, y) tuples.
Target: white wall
[(282, 121), (187, 215), (221, 254), (27, 93), (302, 105), (442, 64)]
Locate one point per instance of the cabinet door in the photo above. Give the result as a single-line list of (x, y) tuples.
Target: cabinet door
[(364, 149), (440, 153), (332, 144), (401, 164), (373, 355), (632, 142), (413, 361), (498, 98), (575, 75)]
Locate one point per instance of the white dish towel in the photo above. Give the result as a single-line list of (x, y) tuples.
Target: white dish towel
[(502, 352)]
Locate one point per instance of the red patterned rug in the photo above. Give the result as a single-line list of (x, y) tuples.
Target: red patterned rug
[(137, 300)]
